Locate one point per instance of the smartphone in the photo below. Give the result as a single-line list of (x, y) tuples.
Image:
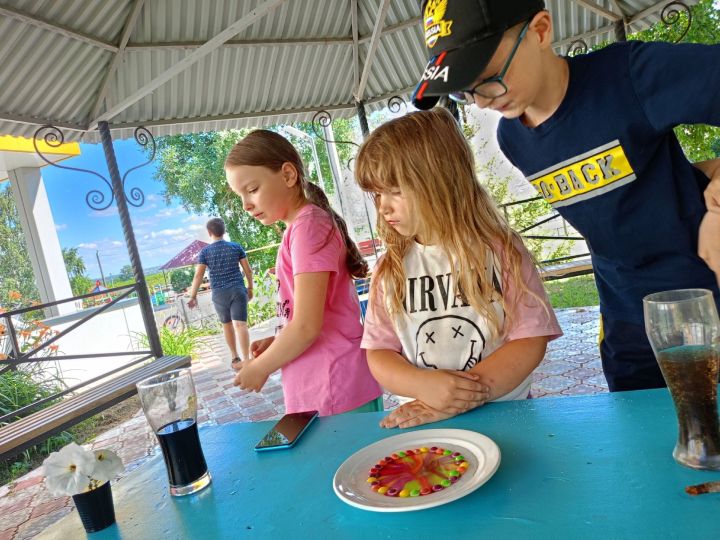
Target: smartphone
[(287, 431)]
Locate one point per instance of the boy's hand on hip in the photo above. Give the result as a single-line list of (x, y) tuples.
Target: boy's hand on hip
[(413, 413), (712, 194), (452, 391), (709, 241), (251, 376)]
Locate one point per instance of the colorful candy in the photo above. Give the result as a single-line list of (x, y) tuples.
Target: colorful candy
[(417, 472)]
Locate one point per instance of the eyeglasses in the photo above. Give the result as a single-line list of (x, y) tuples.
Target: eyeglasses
[(492, 87)]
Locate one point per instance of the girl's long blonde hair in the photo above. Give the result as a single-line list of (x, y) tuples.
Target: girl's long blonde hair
[(425, 155), (264, 148)]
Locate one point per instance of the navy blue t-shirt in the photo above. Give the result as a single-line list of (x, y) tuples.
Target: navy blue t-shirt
[(608, 161), (222, 259)]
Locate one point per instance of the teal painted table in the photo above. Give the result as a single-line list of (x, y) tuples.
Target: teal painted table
[(576, 467)]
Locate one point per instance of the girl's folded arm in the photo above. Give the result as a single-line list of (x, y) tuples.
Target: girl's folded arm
[(508, 366), (393, 372), (306, 323)]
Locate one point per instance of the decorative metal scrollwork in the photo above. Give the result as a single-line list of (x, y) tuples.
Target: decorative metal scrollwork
[(396, 104), (579, 46), (96, 199), (324, 119), (143, 138), (54, 138), (671, 15)]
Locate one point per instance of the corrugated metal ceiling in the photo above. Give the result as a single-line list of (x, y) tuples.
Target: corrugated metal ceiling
[(294, 60)]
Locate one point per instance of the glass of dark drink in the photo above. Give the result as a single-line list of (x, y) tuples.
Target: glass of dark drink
[(170, 405), (684, 332)]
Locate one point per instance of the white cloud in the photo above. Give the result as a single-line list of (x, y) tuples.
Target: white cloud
[(170, 212), (195, 217), (89, 245), (166, 232), (61, 226)]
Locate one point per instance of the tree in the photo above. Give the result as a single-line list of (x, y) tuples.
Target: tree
[(181, 279), (74, 263), (191, 167), (126, 273), (81, 285), (16, 270), (699, 141)]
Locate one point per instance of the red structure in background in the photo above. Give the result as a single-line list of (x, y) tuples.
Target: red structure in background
[(186, 257)]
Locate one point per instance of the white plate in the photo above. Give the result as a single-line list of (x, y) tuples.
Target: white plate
[(350, 481)]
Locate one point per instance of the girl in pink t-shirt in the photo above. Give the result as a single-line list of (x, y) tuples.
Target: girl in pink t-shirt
[(457, 314), (318, 348)]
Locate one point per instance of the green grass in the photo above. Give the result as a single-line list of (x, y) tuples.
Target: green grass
[(573, 292)]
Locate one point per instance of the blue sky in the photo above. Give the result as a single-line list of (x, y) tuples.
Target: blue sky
[(160, 230)]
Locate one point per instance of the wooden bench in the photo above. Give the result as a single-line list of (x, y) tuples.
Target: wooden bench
[(38, 426), (577, 267)]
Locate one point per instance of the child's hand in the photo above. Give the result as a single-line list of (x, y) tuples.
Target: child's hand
[(709, 241), (258, 347), (712, 194), (251, 376), (452, 391), (413, 414)]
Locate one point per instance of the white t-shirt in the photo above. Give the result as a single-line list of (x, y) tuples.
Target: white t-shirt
[(438, 331)]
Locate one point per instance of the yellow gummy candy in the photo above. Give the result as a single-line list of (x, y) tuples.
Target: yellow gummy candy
[(382, 490), (404, 493)]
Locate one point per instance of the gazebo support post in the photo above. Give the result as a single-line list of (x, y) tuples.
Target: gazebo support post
[(362, 118), (620, 33), (142, 290)]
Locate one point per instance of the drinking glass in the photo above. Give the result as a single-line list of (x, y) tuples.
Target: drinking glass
[(170, 405), (684, 332)]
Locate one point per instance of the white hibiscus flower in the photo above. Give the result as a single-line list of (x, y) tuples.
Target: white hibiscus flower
[(75, 470), (68, 472), (107, 466)]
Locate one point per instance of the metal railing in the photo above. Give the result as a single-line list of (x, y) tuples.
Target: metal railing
[(555, 215), (17, 356)]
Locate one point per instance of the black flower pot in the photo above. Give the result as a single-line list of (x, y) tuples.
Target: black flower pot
[(96, 508)]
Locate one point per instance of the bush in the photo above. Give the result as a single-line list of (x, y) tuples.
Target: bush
[(19, 388), (174, 343), (181, 279), (80, 285), (263, 306)]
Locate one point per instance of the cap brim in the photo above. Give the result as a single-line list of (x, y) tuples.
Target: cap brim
[(453, 71)]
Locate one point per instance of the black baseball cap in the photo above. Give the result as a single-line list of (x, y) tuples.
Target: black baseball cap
[(461, 36)]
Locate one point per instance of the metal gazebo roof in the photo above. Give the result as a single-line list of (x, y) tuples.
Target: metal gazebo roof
[(178, 66)]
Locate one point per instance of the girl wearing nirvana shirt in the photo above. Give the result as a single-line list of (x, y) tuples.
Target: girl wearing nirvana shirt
[(457, 314), (318, 349)]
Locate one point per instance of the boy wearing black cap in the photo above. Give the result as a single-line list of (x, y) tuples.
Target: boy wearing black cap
[(593, 134)]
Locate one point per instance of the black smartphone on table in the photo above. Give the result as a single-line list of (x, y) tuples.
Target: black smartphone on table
[(287, 431)]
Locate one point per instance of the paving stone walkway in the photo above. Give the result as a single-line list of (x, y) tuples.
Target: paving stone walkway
[(571, 367)]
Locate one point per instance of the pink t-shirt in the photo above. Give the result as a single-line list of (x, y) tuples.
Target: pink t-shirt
[(332, 375), (438, 330)]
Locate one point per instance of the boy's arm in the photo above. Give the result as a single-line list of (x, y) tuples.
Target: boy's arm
[(711, 169), (508, 366), (248, 275), (709, 234), (199, 273)]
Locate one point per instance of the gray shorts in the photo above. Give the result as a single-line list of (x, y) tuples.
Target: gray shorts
[(230, 304)]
